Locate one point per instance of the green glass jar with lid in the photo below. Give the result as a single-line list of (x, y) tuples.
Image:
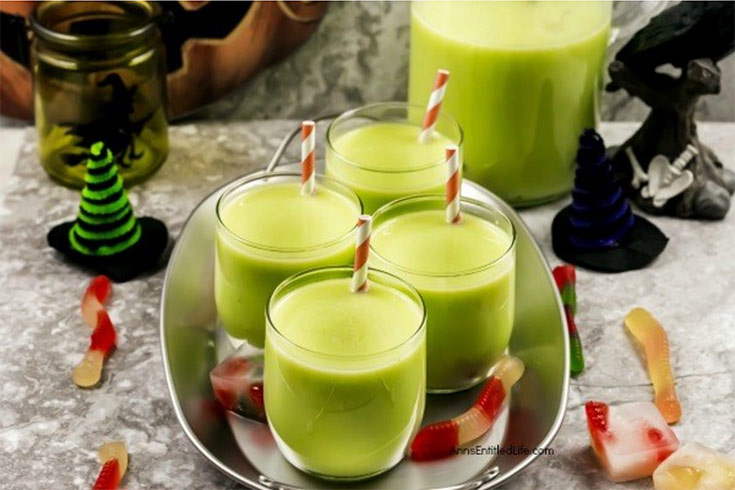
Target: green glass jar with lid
[(99, 75)]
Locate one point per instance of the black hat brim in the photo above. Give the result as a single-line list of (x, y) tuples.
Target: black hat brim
[(640, 245), (123, 266)]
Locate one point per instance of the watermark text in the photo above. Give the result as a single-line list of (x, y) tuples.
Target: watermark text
[(497, 450)]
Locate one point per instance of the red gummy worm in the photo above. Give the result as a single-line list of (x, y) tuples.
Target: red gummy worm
[(438, 440), (435, 441), (100, 286), (564, 275), (109, 477), (104, 337)]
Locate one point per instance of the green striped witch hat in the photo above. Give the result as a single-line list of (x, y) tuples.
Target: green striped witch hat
[(106, 224), (106, 235)]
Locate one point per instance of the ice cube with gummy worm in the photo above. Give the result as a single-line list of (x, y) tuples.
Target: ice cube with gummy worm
[(696, 467), (237, 382), (629, 440)]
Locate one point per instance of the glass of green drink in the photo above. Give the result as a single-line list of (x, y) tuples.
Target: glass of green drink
[(345, 379), (465, 273), (526, 80), (375, 150), (267, 231)]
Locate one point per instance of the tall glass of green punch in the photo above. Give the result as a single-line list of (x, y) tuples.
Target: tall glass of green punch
[(465, 273), (267, 231), (344, 371), (526, 79), (375, 150)]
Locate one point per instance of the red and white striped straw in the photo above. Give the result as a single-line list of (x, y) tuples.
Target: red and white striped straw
[(362, 249), (454, 182), (434, 105), (308, 143)]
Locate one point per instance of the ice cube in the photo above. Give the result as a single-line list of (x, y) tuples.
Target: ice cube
[(237, 382), (630, 440), (696, 467)]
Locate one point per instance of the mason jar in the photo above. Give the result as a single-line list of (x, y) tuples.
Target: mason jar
[(99, 75)]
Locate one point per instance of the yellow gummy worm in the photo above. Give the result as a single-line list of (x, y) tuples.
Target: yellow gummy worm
[(649, 332)]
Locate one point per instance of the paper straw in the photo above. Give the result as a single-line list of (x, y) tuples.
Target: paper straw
[(454, 182), (362, 249), (308, 174), (435, 103)]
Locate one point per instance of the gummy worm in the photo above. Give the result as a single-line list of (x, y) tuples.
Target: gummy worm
[(114, 459), (566, 280), (96, 295), (649, 332), (102, 342), (437, 440)]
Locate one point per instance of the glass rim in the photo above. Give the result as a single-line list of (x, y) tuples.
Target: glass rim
[(351, 113), (233, 186), (98, 41), (438, 197), (348, 270)]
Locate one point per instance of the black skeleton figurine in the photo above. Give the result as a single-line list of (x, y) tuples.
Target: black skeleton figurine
[(665, 168)]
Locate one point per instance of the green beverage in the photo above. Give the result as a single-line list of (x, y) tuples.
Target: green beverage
[(344, 372), (525, 81), (267, 231), (466, 274), (375, 150)]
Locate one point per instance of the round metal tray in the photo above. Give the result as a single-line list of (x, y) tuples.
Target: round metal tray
[(192, 344)]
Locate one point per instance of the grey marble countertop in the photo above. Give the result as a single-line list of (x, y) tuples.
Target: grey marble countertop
[(50, 430)]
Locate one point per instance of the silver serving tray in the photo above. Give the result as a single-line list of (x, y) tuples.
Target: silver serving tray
[(192, 343)]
